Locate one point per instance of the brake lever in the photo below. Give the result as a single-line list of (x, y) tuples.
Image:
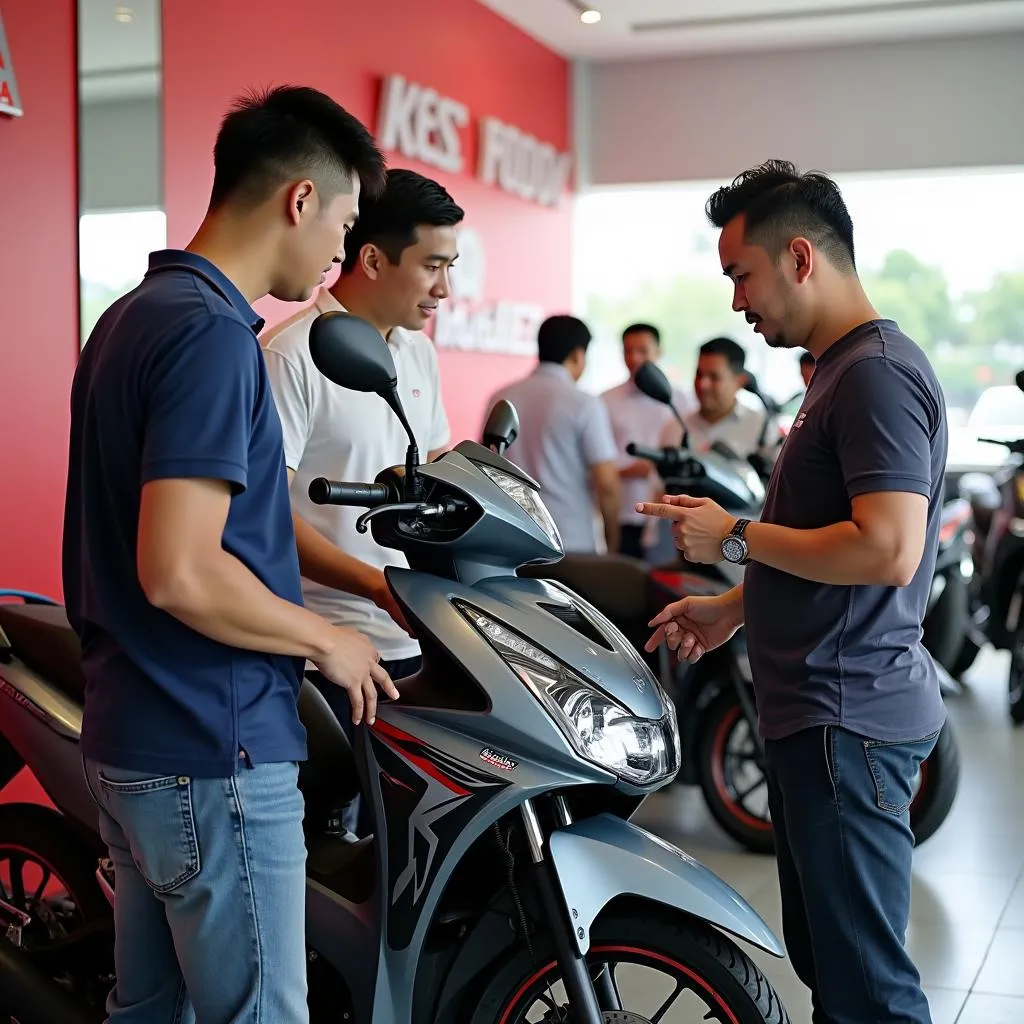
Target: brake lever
[(420, 507)]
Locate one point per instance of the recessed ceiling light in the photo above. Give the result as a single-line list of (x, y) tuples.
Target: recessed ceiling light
[(125, 15), (590, 16)]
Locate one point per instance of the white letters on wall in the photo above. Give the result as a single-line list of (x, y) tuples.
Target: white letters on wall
[(521, 164), (422, 125)]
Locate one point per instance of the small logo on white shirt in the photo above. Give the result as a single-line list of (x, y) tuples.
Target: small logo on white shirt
[(416, 392)]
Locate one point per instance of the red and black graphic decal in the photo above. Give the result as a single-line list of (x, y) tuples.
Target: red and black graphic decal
[(429, 798)]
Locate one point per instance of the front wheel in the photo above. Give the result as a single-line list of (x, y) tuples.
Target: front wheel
[(649, 966), (1016, 680)]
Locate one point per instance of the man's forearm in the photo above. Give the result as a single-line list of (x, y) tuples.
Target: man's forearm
[(733, 600), (609, 505), (225, 601), (840, 555), (326, 564)]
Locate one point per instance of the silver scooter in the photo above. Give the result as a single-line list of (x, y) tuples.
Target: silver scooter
[(504, 882)]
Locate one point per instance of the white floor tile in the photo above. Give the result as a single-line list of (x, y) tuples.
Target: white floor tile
[(1003, 971), (981, 1008)]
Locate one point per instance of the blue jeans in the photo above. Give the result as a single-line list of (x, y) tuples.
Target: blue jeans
[(210, 879), (840, 813)]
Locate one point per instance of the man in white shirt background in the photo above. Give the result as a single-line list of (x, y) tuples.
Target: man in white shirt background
[(722, 415), (565, 438), (638, 418), (395, 273)]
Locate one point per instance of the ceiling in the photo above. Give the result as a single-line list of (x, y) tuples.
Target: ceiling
[(121, 59), (632, 28)]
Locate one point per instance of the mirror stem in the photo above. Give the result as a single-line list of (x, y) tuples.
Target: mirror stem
[(675, 412)]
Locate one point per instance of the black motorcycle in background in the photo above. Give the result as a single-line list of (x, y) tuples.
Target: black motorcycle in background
[(997, 596), (715, 703)]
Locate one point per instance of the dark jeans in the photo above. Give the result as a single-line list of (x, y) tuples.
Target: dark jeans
[(354, 815), (630, 538), (839, 804)]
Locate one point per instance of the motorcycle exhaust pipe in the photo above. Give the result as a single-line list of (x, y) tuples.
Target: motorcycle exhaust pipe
[(30, 997)]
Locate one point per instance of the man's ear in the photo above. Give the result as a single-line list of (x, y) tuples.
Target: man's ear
[(801, 252), (299, 197), (370, 258)]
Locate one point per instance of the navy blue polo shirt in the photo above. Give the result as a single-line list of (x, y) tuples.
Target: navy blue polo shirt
[(172, 384)]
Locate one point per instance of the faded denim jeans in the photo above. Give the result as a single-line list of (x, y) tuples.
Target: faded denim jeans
[(210, 895)]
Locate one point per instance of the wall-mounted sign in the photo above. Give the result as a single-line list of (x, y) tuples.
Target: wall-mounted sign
[(10, 102), (422, 125), (467, 322)]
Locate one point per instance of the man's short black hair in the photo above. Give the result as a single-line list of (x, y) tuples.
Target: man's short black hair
[(779, 204), (643, 328), (408, 201), (560, 336), (287, 133), (733, 352), (806, 359)]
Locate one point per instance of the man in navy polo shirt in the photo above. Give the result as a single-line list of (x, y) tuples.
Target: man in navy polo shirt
[(840, 568), (182, 581)]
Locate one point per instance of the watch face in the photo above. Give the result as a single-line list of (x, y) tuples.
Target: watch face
[(733, 549)]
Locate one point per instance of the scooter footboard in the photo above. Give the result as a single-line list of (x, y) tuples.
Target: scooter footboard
[(601, 858)]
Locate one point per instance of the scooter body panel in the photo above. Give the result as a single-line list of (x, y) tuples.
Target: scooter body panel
[(34, 722), (590, 858)]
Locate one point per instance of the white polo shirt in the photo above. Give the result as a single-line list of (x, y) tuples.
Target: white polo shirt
[(638, 418), (348, 435), (740, 430)]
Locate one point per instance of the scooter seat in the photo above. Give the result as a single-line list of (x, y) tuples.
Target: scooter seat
[(41, 637), (328, 777)]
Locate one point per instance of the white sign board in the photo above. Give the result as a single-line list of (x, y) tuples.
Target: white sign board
[(419, 123)]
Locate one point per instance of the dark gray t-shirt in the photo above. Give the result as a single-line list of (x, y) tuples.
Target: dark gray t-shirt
[(873, 420)]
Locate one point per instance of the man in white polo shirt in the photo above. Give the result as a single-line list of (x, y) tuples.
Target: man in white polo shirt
[(396, 271), (636, 417), (724, 412)]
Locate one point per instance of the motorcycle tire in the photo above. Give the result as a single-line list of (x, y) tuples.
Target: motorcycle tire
[(37, 835), (645, 935), (1015, 681), (940, 780), (722, 716)]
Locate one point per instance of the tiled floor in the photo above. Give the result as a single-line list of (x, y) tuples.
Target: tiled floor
[(967, 912)]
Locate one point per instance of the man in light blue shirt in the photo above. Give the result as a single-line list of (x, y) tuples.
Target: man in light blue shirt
[(565, 437)]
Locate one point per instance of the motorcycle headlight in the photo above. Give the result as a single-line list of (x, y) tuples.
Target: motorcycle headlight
[(639, 750), (529, 500)]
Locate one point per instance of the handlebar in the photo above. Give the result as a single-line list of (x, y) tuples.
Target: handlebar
[(638, 451), (337, 492)]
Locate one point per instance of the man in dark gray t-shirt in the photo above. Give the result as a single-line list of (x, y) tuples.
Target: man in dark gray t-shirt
[(840, 566), (873, 420)]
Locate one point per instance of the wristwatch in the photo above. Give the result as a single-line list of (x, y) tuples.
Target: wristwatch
[(734, 547)]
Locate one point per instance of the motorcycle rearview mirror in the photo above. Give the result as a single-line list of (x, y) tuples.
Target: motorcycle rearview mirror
[(1019, 379), (352, 353), (654, 384), (502, 426)]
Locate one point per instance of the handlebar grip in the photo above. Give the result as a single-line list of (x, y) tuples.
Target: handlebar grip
[(638, 451), (336, 492)]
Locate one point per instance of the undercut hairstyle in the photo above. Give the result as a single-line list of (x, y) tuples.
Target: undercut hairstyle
[(271, 137), (389, 221), (780, 204), (642, 329), (560, 336), (732, 351)]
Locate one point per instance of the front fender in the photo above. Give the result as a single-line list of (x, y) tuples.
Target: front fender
[(600, 858)]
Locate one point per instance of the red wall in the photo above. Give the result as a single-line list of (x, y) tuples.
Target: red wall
[(466, 52), (38, 289)]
